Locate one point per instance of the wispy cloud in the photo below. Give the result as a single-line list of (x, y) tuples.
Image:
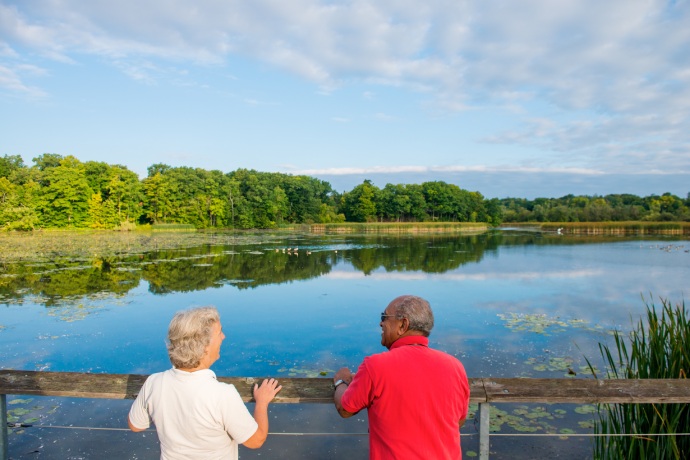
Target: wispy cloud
[(589, 82), (438, 169), (12, 78)]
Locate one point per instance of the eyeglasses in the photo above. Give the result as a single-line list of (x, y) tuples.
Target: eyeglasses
[(384, 316)]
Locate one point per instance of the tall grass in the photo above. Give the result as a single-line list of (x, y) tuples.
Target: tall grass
[(658, 348), (619, 228), (173, 228), (401, 227)]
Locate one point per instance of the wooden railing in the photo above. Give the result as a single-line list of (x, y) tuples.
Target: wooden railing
[(484, 391)]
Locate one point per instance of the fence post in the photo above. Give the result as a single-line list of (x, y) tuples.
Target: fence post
[(484, 409), (4, 449)]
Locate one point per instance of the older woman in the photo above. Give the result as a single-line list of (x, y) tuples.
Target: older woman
[(196, 416)]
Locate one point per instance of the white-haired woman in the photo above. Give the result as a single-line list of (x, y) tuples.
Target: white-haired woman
[(196, 416)]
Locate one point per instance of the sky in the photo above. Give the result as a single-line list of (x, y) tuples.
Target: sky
[(510, 98)]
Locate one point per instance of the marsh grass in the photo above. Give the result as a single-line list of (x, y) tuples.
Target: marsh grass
[(658, 348), (618, 228), (173, 228), (401, 227)]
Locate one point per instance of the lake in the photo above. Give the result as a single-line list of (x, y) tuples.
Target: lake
[(507, 303)]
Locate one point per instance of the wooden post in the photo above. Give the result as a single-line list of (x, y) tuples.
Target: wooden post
[(484, 409), (4, 448)]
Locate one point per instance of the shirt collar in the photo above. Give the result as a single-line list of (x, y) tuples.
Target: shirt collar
[(202, 372), (411, 340)]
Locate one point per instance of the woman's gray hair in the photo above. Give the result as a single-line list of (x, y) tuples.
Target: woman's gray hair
[(417, 311), (189, 334)]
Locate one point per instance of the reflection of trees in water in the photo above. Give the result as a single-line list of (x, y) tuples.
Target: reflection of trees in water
[(52, 283), (241, 269), (431, 254), (249, 266)]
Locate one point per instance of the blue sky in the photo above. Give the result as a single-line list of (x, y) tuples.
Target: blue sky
[(530, 98)]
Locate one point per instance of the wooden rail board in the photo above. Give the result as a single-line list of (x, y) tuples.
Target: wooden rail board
[(588, 391), (320, 390)]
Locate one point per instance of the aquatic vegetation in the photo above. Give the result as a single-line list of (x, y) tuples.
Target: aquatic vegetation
[(22, 414), (542, 324), (523, 418), (537, 323), (656, 349)]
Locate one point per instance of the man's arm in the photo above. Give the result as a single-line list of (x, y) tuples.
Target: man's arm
[(345, 375), (263, 395)]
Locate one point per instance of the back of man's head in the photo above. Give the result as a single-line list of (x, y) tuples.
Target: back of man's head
[(417, 311)]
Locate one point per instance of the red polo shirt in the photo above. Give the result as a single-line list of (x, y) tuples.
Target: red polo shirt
[(415, 397)]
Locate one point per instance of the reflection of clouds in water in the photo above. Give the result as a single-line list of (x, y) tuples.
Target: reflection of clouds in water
[(519, 276)]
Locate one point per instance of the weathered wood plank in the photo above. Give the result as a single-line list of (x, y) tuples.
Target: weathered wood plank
[(320, 390), (588, 391), (127, 386), (72, 384)]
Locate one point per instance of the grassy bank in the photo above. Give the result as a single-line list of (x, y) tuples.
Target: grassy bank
[(401, 227), (612, 228)]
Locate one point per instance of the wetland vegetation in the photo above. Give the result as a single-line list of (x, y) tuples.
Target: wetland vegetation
[(658, 347)]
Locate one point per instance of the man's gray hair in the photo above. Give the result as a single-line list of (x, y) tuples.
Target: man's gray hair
[(189, 334), (417, 311)]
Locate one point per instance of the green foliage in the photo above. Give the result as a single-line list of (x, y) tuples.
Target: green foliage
[(9, 164), (62, 192), (65, 194), (616, 208), (659, 349), (360, 204)]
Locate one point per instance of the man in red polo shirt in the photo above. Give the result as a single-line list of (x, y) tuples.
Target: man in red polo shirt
[(417, 398)]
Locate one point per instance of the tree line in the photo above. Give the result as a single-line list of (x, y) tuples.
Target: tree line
[(609, 208), (62, 192)]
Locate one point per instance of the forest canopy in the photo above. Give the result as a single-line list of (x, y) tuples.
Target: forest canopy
[(63, 192)]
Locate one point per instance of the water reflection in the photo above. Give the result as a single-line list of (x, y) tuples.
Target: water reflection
[(200, 268), (251, 266), (506, 304)]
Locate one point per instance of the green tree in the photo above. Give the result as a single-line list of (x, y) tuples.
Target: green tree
[(9, 164), (359, 205), (158, 204), (47, 161), (65, 194)]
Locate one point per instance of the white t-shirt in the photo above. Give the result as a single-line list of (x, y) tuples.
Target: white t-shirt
[(196, 416)]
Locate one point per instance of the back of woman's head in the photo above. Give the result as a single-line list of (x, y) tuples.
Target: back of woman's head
[(189, 334)]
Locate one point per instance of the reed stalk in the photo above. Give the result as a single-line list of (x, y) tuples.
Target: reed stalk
[(657, 348)]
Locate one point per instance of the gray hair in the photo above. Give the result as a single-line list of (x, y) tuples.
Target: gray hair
[(189, 334), (417, 311)]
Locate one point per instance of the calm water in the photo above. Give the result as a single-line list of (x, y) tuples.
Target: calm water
[(506, 304)]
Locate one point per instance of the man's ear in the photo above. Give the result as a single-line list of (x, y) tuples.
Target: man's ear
[(404, 326)]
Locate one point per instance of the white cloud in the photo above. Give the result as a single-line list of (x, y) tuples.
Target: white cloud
[(438, 169), (12, 80), (615, 75)]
